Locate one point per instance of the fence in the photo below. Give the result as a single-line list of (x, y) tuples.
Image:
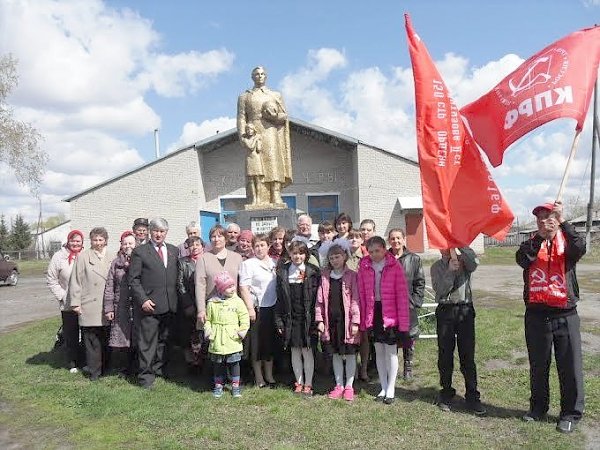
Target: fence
[(25, 255), (427, 322)]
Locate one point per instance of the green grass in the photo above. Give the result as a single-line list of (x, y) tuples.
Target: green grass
[(42, 405), (34, 267)]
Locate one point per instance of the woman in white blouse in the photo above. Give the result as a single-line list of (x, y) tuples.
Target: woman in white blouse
[(258, 289)]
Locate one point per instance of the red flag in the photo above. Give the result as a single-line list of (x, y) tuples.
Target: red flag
[(556, 82), (460, 198)]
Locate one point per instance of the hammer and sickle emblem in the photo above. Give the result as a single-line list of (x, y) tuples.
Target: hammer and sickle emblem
[(558, 281), (538, 276)]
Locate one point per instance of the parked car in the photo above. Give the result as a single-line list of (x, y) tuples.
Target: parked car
[(9, 272)]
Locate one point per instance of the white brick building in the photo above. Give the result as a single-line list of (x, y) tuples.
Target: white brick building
[(206, 182)]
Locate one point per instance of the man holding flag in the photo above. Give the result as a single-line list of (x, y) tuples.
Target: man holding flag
[(551, 293)]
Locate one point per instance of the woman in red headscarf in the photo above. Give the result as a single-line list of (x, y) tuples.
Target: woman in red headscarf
[(118, 308), (57, 279)]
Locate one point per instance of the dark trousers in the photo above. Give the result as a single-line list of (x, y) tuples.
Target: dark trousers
[(456, 325), (220, 372), (70, 332), (95, 340), (541, 332), (152, 343)]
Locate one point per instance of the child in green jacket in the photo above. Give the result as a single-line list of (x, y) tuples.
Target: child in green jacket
[(227, 322)]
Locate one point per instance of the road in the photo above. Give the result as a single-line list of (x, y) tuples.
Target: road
[(31, 300)]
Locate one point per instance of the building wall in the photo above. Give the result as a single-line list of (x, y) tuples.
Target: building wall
[(166, 189), (382, 178)]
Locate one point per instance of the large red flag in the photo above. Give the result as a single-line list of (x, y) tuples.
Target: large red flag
[(460, 198), (556, 82)]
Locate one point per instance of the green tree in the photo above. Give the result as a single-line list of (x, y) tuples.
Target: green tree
[(20, 235), (54, 221), (18, 140), (4, 234)]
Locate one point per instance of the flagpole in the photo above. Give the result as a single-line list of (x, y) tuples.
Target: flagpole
[(566, 174)]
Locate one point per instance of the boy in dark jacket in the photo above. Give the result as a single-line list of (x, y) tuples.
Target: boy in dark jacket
[(455, 314)]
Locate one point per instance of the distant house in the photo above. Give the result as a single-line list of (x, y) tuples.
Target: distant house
[(581, 221), (47, 242)]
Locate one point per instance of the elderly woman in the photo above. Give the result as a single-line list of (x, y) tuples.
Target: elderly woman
[(57, 279), (86, 294), (188, 337), (118, 306), (211, 263), (244, 247)]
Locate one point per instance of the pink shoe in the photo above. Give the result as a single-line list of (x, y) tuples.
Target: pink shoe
[(349, 394), (336, 393)]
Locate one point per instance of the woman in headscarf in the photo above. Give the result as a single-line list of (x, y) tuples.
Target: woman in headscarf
[(86, 295), (57, 279)]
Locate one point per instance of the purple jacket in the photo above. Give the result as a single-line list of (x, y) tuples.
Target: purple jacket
[(351, 308), (394, 294)]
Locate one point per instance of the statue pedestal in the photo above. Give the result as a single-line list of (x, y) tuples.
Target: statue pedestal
[(264, 220)]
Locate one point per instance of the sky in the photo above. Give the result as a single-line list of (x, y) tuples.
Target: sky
[(96, 78)]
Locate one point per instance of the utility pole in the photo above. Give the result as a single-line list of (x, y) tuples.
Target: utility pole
[(590, 208)]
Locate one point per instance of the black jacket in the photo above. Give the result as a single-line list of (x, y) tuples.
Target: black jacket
[(149, 279), (186, 285), (283, 307), (415, 281), (575, 249)]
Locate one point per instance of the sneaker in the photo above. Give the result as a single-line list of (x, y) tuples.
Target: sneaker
[(236, 391), (477, 408), (73, 370), (565, 426), (298, 388), (336, 393), (349, 394), (307, 391), (218, 391), (388, 400)]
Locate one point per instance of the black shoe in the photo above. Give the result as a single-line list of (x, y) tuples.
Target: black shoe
[(388, 400), (533, 417), (379, 398), (476, 408), (565, 426), (444, 405)]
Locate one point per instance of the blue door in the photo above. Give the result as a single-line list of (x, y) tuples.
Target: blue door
[(207, 221), (290, 201)]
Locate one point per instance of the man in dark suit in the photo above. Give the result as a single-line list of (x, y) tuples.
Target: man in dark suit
[(153, 281)]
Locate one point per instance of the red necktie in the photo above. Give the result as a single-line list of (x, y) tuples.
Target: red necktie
[(160, 253)]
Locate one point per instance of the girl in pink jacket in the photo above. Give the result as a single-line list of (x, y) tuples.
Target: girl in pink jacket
[(383, 311), (338, 318)]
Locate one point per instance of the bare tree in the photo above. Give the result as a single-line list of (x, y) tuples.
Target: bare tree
[(18, 140)]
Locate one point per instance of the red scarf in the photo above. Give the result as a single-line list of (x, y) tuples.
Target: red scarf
[(273, 253), (547, 274)]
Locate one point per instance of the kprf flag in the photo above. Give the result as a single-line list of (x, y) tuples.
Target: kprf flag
[(556, 82), (460, 198)]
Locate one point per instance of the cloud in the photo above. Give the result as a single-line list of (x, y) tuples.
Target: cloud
[(86, 71), (193, 132)]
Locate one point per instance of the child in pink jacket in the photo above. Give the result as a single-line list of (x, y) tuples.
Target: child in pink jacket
[(383, 311), (338, 318)]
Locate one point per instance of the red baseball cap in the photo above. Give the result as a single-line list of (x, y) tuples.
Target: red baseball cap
[(539, 208)]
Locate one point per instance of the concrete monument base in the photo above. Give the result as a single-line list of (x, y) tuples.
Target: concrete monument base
[(264, 220)]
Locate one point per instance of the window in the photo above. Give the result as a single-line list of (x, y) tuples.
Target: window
[(323, 207)]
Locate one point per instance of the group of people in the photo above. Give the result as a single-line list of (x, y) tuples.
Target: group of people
[(259, 298)]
